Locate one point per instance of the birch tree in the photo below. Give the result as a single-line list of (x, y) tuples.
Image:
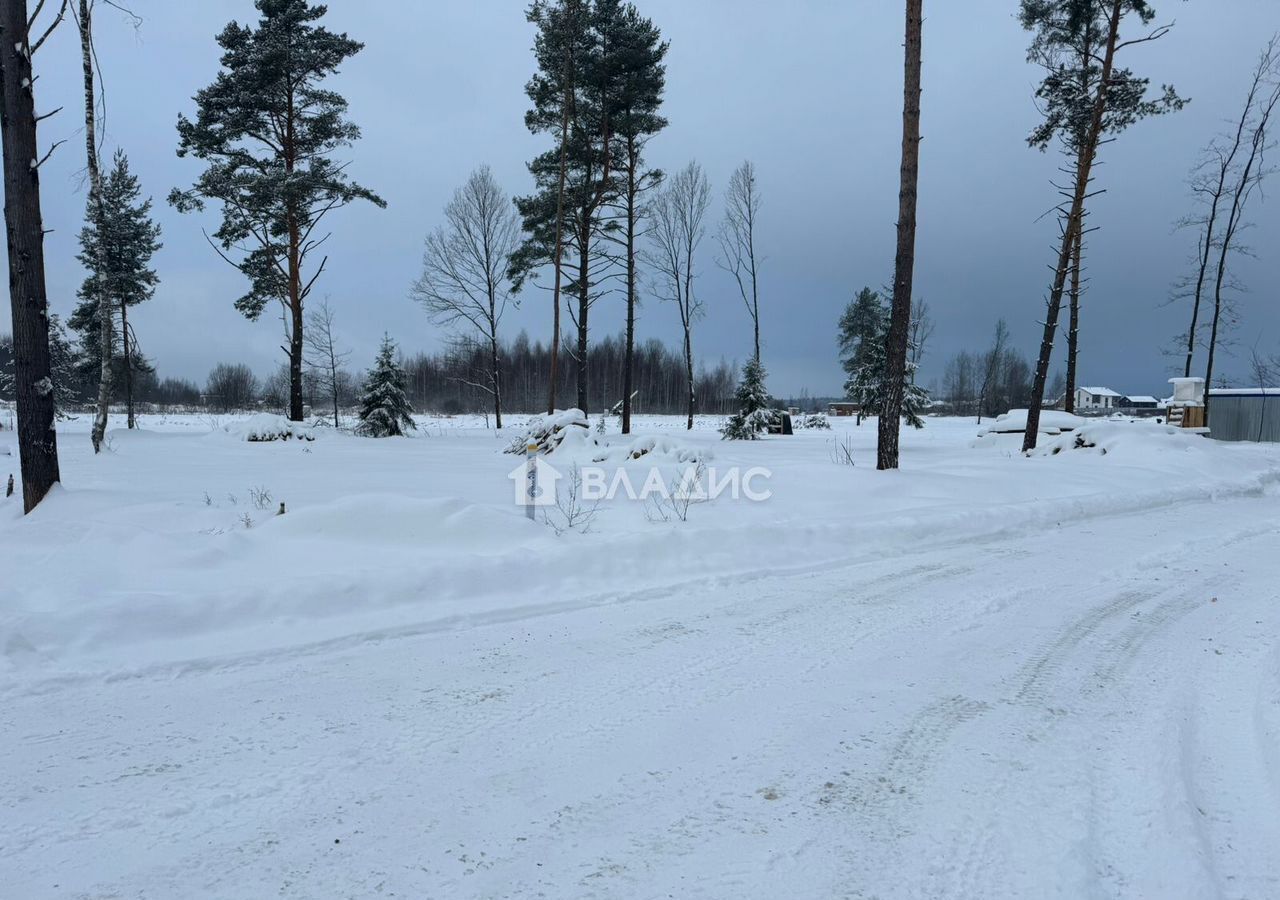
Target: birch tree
[(465, 281), (737, 240), (679, 214)]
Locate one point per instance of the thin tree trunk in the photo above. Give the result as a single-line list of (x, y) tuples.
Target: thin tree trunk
[(1073, 335), (584, 304), (106, 315), (558, 261), (33, 377), (688, 371), (629, 352), (1088, 151), (497, 379), (904, 264), (128, 363)]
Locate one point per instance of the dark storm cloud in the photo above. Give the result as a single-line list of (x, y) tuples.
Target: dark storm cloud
[(808, 90)]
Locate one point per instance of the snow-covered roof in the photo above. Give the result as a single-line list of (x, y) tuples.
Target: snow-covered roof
[(1245, 392), (1142, 398), (1100, 391)]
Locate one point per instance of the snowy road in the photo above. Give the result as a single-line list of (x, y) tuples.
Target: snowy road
[(1026, 717)]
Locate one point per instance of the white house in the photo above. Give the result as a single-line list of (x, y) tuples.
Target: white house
[(1097, 398)]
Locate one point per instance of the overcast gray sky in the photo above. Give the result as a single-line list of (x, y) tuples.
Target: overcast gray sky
[(810, 90)]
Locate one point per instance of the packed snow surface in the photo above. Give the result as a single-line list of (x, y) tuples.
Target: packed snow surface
[(987, 675)]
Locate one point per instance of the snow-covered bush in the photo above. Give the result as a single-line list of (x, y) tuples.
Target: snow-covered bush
[(266, 427), (655, 449), (549, 431), (813, 422)]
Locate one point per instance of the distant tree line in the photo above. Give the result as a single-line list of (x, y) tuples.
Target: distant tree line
[(453, 380)]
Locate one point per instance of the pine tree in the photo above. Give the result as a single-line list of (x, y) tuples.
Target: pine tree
[(755, 409), (384, 408), (577, 94), (1085, 96), (116, 248), (639, 54), (268, 131)]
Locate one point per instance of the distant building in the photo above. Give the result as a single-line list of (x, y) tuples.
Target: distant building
[(1140, 402), (842, 408), (1097, 398)]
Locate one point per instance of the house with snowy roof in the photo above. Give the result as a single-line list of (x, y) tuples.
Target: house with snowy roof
[(1097, 398)]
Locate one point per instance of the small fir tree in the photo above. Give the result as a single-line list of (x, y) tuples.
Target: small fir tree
[(384, 408), (755, 413)]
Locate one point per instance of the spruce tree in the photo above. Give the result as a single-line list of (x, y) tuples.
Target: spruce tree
[(269, 131), (755, 409), (384, 408), (862, 328), (116, 247)]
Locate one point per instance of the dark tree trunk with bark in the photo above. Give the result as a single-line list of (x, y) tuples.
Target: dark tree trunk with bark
[(1088, 151), (37, 439), (1073, 336), (904, 264), (584, 307), (688, 371), (496, 370), (629, 352)]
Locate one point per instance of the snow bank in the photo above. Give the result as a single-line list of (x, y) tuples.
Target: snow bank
[(265, 427), (1014, 421), (653, 449), (1128, 439)]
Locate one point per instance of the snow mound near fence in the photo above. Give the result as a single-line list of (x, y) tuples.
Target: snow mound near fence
[(1126, 440)]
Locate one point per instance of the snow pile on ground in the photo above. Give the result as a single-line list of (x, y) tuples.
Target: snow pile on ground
[(549, 431), (1132, 439), (653, 449), (812, 421), (1014, 421), (266, 427)]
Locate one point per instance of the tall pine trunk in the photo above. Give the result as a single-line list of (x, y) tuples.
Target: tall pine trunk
[(558, 261), (1088, 152), (584, 307), (1073, 335), (629, 351), (904, 263), (106, 315), (33, 377)]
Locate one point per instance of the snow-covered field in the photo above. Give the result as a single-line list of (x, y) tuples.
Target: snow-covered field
[(982, 676)]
